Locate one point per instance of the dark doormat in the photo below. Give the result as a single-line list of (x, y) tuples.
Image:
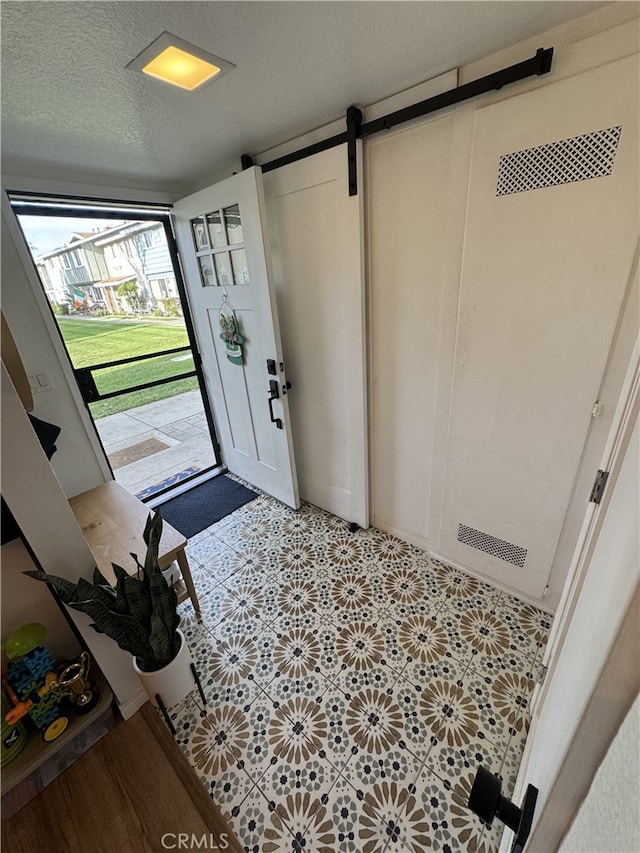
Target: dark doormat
[(203, 505)]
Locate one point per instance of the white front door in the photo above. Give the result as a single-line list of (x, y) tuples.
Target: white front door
[(221, 238)]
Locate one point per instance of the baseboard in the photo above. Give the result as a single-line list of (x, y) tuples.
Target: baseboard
[(409, 538), (133, 703)]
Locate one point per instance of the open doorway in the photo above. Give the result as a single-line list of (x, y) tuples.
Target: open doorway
[(113, 284)]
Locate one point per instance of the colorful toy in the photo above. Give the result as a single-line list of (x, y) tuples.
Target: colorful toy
[(36, 688), (73, 680), (14, 738)]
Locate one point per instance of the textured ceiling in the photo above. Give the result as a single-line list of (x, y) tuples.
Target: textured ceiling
[(71, 110)]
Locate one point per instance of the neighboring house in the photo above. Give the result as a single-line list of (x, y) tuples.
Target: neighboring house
[(91, 267), (78, 266), (139, 251)]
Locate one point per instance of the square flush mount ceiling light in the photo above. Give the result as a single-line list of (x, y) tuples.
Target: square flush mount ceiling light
[(175, 61)]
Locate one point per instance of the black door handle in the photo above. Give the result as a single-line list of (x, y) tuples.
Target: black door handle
[(274, 394)]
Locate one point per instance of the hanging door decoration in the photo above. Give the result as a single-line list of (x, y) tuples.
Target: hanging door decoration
[(230, 333)]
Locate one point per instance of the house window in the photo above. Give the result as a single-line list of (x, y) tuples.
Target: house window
[(70, 258), (44, 275)]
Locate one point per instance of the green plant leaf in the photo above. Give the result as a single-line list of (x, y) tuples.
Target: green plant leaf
[(86, 590), (118, 571), (138, 601), (66, 589), (99, 579), (139, 566), (164, 619), (152, 535), (121, 627), (121, 604)]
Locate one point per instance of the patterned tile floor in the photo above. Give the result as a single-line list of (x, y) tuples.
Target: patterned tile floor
[(353, 686)]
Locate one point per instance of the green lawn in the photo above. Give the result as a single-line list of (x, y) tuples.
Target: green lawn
[(98, 341)]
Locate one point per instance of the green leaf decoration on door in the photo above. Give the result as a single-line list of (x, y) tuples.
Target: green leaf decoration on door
[(232, 338)]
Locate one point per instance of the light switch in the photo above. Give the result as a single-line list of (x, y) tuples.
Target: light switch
[(40, 381)]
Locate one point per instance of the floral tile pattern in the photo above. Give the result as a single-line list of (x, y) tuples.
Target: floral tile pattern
[(354, 685)]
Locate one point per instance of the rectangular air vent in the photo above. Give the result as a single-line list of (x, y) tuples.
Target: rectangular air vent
[(577, 159), (492, 545)]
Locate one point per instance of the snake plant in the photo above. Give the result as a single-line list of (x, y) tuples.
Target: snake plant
[(139, 613)]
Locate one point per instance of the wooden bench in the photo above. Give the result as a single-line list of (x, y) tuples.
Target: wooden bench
[(113, 520)]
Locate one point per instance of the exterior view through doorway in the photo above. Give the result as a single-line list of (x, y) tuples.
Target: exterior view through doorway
[(112, 282)]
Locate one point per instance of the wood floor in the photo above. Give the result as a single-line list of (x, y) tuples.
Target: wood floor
[(128, 791)]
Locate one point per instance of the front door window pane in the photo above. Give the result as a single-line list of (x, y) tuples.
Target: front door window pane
[(207, 274), (234, 225), (199, 234), (240, 270), (223, 269), (216, 230)]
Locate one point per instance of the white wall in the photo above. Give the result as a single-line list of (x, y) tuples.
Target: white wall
[(609, 818)]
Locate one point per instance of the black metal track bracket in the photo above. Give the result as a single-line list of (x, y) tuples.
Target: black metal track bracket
[(354, 122)]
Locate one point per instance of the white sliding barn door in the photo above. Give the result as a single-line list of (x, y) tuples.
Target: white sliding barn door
[(316, 236), (225, 258), (551, 227), (409, 187)]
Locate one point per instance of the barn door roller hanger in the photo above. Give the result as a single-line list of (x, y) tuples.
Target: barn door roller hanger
[(535, 66)]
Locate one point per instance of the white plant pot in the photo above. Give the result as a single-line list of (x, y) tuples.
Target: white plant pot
[(173, 681), (172, 573)]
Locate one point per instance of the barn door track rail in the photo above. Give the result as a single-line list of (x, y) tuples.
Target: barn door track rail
[(535, 66)]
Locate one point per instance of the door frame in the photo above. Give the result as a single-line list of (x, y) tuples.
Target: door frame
[(617, 444), (94, 208), (619, 680)]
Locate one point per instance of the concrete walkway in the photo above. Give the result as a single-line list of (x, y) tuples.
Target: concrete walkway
[(152, 443)]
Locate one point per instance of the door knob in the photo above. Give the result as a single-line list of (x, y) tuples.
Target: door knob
[(487, 802)]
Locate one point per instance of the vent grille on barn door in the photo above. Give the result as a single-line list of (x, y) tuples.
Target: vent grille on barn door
[(577, 159), (492, 545)]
